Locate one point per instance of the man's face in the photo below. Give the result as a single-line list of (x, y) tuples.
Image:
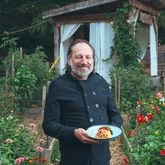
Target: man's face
[(81, 61)]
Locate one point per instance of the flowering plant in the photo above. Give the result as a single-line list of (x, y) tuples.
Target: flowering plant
[(148, 138), (20, 142)]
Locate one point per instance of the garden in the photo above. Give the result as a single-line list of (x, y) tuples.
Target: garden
[(21, 91), (23, 84)]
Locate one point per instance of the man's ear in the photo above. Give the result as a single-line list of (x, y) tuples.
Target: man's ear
[(69, 60)]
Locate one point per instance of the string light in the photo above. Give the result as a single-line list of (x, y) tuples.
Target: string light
[(21, 30)]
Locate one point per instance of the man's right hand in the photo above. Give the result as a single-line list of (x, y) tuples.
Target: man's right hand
[(82, 135)]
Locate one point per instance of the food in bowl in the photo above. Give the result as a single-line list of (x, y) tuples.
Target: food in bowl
[(103, 133)]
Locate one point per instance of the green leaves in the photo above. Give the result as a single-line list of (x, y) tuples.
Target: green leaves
[(22, 140), (125, 45)]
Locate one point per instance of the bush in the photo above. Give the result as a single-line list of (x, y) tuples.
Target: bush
[(134, 85), (148, 140), (15, 140)]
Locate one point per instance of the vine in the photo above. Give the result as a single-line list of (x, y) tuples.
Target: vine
[(125, 45)]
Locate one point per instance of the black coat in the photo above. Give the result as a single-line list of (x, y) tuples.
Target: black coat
[(73, 103)]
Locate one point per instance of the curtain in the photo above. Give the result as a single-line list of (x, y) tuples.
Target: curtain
[(153, 52), (142, 37), (101, 37), (66, 31)]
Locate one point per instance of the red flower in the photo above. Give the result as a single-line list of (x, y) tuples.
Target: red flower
[(44, 160), (139, 102), (156, 109), (132, 133), (150, 116), (162, 152), (126, 161), (35, 158), (140, 118)]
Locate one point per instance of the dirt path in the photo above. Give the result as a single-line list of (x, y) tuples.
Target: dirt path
[(118, 156)]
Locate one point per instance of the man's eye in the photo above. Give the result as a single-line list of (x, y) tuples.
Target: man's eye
[(78, 57), (88, 57)]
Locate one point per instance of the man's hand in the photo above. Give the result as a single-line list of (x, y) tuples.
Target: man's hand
[(82, 135)]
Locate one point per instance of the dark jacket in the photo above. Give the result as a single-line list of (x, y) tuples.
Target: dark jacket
[(73, 103)]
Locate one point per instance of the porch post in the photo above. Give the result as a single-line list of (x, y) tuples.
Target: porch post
[(56, 41), (153, 52)]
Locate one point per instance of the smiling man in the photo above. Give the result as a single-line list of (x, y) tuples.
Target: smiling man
[(77, 100)]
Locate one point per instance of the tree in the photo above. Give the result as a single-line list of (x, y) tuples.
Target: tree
[(20, 14)]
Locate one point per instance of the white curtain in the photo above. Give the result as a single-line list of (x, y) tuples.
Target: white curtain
[(66, 32), (142, 36), (101, 37), (153, 52)]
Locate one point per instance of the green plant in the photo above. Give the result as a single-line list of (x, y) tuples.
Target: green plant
[(125, 44), (149, 140), (23, 85), (15, 140), (36, 63), (134, 85), (55, 157)]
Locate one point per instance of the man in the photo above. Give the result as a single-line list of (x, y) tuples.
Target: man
[(77, 100)]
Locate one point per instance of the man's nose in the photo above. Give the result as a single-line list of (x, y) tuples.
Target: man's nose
[(83, 60)]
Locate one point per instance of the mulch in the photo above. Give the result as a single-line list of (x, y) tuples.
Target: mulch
[(118, 156)]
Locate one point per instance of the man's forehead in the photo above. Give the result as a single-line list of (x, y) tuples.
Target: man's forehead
[(82, 47)]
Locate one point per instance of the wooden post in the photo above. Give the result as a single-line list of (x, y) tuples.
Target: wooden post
[(43, 97), (12, 66), (21, 52), (164, 84), (56, 41)]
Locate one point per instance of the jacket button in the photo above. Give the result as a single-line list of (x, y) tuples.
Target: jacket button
[(94, 93), (91, 119), (88, 107), (97, 105), (101, 117)]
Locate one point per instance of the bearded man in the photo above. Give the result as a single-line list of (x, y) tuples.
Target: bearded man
[(77, 100)]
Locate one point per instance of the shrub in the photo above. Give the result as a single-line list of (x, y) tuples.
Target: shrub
[(134, 85), (15, 140), (148, 140)]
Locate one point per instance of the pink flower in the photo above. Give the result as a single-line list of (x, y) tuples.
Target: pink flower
[(159, 95), (42, 141), (40, 149), (9, 141), (33, 126), (19, 160), (139, 102), (156, 109)]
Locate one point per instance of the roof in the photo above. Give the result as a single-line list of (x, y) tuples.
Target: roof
[(96, 6), (91, 6)]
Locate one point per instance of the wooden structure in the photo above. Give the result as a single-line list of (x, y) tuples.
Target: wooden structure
[(94, 11), (161, 61)]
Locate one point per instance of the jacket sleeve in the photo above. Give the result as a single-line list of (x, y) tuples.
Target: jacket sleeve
[(113, 112), (51, 122)]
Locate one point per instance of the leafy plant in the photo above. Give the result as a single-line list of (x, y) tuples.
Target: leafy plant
[(125, 45), (15, 140), (134, 85), (23, 85), (149, 140), (30, 72)]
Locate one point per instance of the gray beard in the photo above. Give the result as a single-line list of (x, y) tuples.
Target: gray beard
[(80, 75)]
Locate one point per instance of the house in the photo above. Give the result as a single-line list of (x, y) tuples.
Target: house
[(87, 20)]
